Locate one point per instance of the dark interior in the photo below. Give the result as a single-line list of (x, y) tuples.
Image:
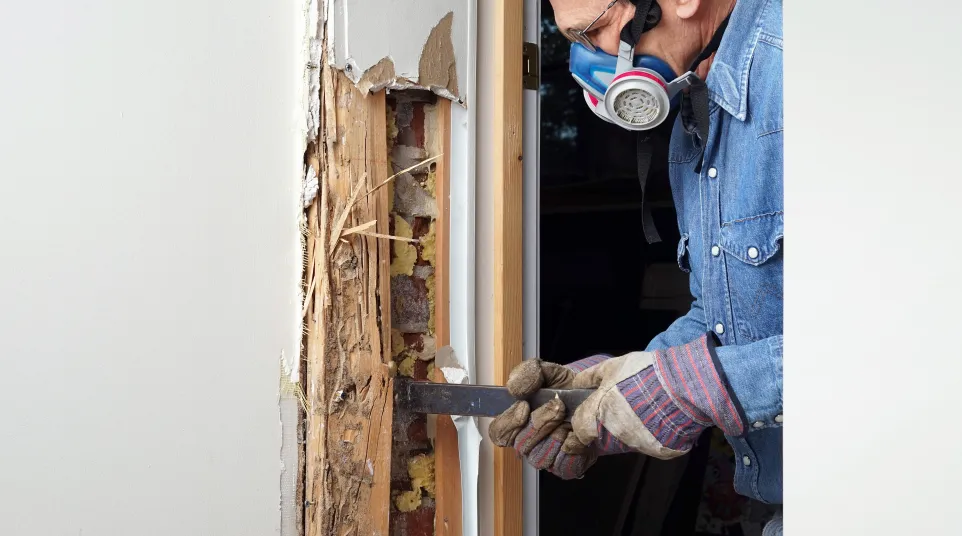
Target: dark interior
[(605, 290)]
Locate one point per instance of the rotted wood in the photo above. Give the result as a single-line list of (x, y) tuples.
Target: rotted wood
[(349, 384)]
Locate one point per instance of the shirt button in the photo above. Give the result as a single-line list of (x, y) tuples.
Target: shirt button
[(758, 424), (778, 418), (712, 172), (747, 461), (715, 251), (752, 253), (719, 328)]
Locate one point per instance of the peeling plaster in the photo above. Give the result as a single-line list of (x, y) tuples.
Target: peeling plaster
[(309, 187), (450, 366), (311, 59), (436, 67), (402, 44)]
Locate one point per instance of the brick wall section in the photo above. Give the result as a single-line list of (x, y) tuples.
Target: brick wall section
[(411, 125)]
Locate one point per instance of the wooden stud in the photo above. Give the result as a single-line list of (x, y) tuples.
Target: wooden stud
[(349, 383), (447, 462), (442, 228), (508, 237)]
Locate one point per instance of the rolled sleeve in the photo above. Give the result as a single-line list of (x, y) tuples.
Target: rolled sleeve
[(754, 375)]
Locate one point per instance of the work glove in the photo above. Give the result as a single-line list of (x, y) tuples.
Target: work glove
[(656, 403)]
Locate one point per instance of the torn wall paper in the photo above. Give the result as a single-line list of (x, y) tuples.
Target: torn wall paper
[(402, 44)]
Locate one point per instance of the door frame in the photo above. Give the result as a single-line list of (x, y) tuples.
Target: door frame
[(531, 136)]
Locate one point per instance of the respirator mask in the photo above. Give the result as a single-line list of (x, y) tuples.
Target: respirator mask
[(635, 92), (638, 93)]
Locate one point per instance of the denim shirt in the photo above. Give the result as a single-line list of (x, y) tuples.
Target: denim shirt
[(731, 218)]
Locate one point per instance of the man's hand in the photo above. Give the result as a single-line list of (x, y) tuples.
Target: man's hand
[(604, 33), (656, 403), (540, 435)]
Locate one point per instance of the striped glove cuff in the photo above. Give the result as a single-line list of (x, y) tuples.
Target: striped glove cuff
[(659, 413), (695, 382)]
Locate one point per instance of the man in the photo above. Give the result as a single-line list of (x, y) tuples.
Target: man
[(720, 364)]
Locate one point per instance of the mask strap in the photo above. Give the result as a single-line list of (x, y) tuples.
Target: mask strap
[(647, 15), (644, 151), (696, 101), (697, 98), (712, 45)]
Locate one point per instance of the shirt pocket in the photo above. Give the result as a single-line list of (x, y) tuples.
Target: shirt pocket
[(753, 250)]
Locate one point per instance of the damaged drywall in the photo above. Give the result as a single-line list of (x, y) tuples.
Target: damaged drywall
[(311, 52), (403, 44), (290, 405), (437, 68)]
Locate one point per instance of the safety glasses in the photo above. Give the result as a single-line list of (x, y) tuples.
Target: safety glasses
[(581, 36)]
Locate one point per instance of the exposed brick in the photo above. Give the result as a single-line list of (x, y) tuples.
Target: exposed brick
[(420, 522), (406, 135), (410, 308), (420, 226), (413, 202), (400, 480), (405, 113), (417, 124), (422, 271), (418, 430), (421, 370), (417, 523), (405, 156), (414, 341), (410, 198)]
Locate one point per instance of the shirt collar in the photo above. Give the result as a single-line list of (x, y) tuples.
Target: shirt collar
[(728, 76)]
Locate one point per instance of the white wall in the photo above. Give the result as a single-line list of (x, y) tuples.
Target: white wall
[(148, 283), (365, 32)]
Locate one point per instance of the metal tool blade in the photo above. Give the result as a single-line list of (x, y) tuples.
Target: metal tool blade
[(474, 400)]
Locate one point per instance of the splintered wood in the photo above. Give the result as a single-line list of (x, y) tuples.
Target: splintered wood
[(349, 384)]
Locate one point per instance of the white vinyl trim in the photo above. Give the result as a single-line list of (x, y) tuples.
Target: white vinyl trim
[(462, 271), (531, 137)]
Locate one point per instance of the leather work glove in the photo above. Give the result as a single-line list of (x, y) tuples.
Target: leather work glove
[(656, 403)]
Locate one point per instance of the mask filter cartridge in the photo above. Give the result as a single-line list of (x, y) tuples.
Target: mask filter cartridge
[(630, 91)]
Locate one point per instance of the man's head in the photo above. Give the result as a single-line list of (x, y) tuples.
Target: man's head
[(685, 28)]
